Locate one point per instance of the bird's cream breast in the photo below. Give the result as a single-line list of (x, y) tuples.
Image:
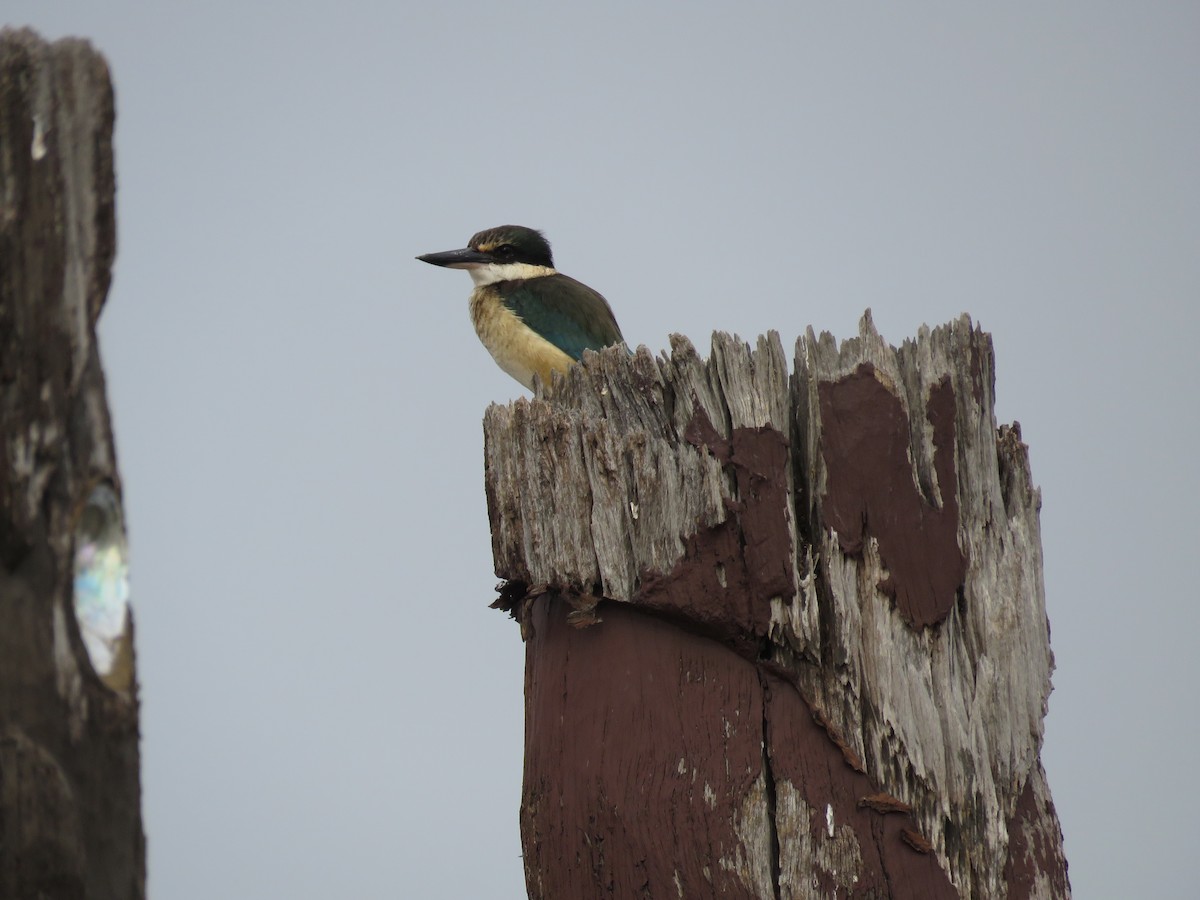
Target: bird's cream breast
[(517, 349)]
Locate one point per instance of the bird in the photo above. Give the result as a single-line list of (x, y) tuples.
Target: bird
[(532, 319)]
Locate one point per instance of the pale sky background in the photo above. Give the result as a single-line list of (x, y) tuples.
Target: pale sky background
[(329, 707)]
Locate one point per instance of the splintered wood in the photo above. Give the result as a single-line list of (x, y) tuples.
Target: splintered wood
[(813, 657)]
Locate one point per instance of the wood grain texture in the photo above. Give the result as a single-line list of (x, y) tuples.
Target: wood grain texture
[(857, 532), (70, 803)]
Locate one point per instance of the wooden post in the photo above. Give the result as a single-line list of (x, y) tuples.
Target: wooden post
[(785, 629), (70, 804)]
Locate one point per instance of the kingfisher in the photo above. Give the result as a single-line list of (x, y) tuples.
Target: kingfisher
[(533, 319)]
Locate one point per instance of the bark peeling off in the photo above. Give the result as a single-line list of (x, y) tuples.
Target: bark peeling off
[(865, 446), (861, 538), (830, 842), (1035, 866)]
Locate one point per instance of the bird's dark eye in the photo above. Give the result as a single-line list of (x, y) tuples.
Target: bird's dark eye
[(504, 251)]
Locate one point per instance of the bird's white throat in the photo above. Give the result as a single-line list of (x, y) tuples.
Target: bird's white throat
[(490, 273)]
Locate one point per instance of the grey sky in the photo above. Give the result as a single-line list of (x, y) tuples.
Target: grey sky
[(329, 708)]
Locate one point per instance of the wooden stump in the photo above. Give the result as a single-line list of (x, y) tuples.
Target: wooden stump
[(70, 804), (786, 630)]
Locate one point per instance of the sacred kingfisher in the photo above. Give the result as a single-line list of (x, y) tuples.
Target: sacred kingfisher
[(531, 317)]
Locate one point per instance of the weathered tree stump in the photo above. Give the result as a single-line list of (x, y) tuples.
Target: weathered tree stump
[(786, 631), (70, 805)]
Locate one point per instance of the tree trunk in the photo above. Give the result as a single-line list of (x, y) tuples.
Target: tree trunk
[(70, 805), (786, 631)]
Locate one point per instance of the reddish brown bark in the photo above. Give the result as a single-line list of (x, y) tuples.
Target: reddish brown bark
[(622, 759), (864, 441), (642, 737), (786, 629)]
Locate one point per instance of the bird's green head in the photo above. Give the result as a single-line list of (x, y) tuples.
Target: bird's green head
[(503, 253)]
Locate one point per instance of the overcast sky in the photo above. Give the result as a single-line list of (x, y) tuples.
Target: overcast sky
[(329, 707)]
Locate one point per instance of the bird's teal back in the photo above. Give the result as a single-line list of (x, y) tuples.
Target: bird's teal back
[(567, 313)]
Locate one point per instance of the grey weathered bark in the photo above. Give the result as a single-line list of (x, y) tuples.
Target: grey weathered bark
[(70, 806), (786, 630)]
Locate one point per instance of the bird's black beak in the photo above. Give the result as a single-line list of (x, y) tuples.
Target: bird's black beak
[(456, 259)]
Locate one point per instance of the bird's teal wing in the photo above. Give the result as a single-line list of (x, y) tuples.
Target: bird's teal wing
[(567, 313)]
